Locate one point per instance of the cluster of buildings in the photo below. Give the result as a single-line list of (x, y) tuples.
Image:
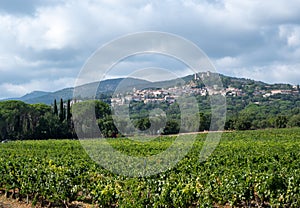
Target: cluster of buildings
[(284, 92), (169, 95)]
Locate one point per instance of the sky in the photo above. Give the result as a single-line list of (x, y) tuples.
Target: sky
[(45, 43)]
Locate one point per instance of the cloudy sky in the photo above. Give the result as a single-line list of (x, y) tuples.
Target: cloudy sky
[(45, 43)]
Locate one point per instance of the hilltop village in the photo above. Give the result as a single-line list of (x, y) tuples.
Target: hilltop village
[(192, 88)]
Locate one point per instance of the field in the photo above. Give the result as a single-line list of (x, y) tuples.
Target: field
[(247, 169)]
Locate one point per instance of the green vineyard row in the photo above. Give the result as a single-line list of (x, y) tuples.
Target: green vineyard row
[(250, 168)]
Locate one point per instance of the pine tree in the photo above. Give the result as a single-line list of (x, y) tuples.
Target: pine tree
[(55, 111)]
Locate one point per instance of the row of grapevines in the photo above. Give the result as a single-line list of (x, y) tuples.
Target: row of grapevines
[(251, 168)]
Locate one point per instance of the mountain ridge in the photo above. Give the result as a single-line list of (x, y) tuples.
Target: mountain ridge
[(110, 85)]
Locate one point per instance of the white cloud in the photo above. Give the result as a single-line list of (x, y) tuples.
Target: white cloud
[(227, 62), (60, 26), (290, 34), (275, 73), (52, 36), (16, 90)]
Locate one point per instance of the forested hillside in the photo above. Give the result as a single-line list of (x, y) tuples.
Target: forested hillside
[(250, 105)]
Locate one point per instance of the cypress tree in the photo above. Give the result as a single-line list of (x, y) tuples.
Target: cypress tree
[(61, 111), (69, 110), (55, 111)]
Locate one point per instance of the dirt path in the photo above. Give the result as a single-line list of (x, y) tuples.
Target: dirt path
[(199, 132)]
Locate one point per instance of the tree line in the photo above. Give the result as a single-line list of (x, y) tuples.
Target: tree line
[(261, 117), (20, 121)]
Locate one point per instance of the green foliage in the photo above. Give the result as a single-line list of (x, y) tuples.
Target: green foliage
[(281, 121), (242, 123), (204, 122), (62, 111), (247, 169), (172, 127), (55, 110), (94, 112), (294, 121), (143, 124), (69, 114), (19, 121), (16, 119)]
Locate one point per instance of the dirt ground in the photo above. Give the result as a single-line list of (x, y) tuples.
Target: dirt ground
[(12, 203)]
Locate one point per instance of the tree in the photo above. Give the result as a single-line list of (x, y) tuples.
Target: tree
[(2, 128), (229, 124), (157, 125), (143, 124), (294, 121), (84, 119), (52, 127), (204, 122), (61, 111), (69, 115), (55, 111), (242, 123), (281, 121), (16, 121), (172, 127), (37, 117), (107, 127)]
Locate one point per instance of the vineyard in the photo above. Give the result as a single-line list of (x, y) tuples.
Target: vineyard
[(247, 169)]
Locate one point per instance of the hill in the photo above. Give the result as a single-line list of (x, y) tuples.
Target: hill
[(106, 86), (232, 86)]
